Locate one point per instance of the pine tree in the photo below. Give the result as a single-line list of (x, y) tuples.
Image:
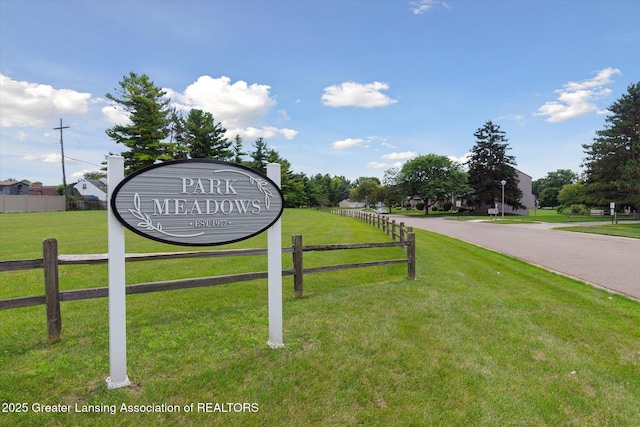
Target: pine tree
[(177, 131), (238, 154), (259, 156), (613, 159), (490, 164), (205, 138), (149, 115)]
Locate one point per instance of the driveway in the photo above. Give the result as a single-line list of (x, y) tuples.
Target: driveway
[(605, 261)]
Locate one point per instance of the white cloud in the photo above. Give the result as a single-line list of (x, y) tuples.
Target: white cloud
[(577, 98), (400, 157), (239, 107), (79, 174), (461, 160), (352, 94), (51, 158), (115, 114), (423, 6), (288, 133), (264, 132), (235, 105), (347, 143), (377, 165), (46, 158), (405, 155), (32, 104), (284, 116)]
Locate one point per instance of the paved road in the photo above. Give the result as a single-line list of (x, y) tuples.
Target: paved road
[(605, 261)]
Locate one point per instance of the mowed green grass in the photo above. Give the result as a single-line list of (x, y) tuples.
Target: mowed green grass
[(620, 229), (478, 339), (535, 215)]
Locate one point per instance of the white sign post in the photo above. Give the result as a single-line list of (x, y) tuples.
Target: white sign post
[(196, 202), (274, 255), (117, 292)]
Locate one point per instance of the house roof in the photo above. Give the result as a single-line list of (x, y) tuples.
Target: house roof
[(37, 189), (95, 182), (6, 183)]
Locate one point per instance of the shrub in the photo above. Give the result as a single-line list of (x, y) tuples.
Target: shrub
[(579, 210)]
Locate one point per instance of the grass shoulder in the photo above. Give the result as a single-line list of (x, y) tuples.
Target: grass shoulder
[(631, 230), (478, 339)]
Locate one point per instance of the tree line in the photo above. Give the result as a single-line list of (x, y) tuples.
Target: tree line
[(157, 133), (612, 165)]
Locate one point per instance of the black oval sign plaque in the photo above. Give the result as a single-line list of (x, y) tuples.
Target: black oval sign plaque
[(197, 202)]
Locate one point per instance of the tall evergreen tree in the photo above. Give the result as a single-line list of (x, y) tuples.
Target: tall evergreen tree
[(147, 109), (177, 134), (205, 138), (259, 155), (613, 159), (238, 154), (489, 164)]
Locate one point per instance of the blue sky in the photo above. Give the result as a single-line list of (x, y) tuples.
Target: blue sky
[(347, 87)]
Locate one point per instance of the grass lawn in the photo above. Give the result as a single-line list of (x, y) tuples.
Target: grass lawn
[(535, 215), (478, 339), (622, 229)]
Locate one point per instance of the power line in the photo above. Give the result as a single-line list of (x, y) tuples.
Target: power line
[(81, 161)]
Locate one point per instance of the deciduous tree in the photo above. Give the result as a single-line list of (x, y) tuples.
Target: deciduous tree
[(546, 189), (364, 189), (432, 178)]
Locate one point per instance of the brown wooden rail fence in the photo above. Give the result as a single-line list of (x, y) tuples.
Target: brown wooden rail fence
[(393, 229), (51, 260)]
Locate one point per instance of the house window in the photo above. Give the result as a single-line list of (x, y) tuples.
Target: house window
[(84, 185)]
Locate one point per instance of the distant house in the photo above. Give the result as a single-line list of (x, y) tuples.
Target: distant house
[(525, 183), (350, 204), (20, 196), (37, 189), (92, 188), (528, 199), (14, 188)]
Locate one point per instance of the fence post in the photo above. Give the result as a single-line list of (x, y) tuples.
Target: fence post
[(51, 288), (393, 230), (411, 255), (402, 232), (298, 277)]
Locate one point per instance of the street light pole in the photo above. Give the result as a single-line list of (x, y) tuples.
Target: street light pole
[(503, 182)]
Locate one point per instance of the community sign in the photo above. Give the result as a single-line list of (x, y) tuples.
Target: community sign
[(197, 202)]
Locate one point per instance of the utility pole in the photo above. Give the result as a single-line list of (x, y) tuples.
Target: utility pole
[(64, 175)]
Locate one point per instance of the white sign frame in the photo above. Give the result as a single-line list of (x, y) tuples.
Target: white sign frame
[(197, 202), (117, 273)]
